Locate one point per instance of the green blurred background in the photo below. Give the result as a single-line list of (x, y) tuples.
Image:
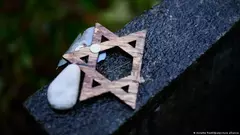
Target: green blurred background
[(35, 33)]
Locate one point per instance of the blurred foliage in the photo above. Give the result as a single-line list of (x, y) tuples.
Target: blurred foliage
[(35, 33)]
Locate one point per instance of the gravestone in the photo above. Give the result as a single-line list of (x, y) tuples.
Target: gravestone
[(203, 99), (178, 33)]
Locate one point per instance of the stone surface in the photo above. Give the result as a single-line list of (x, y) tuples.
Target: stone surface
[(179, 32), (62, 93), (205, 97)]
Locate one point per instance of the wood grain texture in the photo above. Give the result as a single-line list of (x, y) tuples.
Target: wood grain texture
[(89, 68)]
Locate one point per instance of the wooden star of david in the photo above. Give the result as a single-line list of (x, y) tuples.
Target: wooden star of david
[(133, 44)]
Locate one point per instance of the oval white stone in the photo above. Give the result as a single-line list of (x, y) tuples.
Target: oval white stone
[(63, 92), (95, 48)]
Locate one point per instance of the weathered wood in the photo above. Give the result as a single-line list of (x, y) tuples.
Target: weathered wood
[(89, 68)]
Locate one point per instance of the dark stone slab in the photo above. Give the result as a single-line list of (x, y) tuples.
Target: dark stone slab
[(204, 98), (179, 32)]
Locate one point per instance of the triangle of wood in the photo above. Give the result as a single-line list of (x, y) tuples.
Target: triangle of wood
[(91, 75)]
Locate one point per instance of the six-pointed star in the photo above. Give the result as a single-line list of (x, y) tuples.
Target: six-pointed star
[(132, 44)]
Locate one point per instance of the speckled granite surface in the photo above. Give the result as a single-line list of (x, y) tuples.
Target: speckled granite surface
[(203, 99), (179, 32)]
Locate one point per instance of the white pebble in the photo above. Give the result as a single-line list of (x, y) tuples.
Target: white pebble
[(63, 92), (95, 48), (102, 56)]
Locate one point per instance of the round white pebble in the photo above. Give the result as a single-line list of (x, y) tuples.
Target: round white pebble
[(95, 48)]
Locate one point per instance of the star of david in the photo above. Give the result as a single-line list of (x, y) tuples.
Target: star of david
[(132, 44)]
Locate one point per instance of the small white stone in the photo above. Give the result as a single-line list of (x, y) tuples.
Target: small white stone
[(95, 48), (102, 56), (63, 92)]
